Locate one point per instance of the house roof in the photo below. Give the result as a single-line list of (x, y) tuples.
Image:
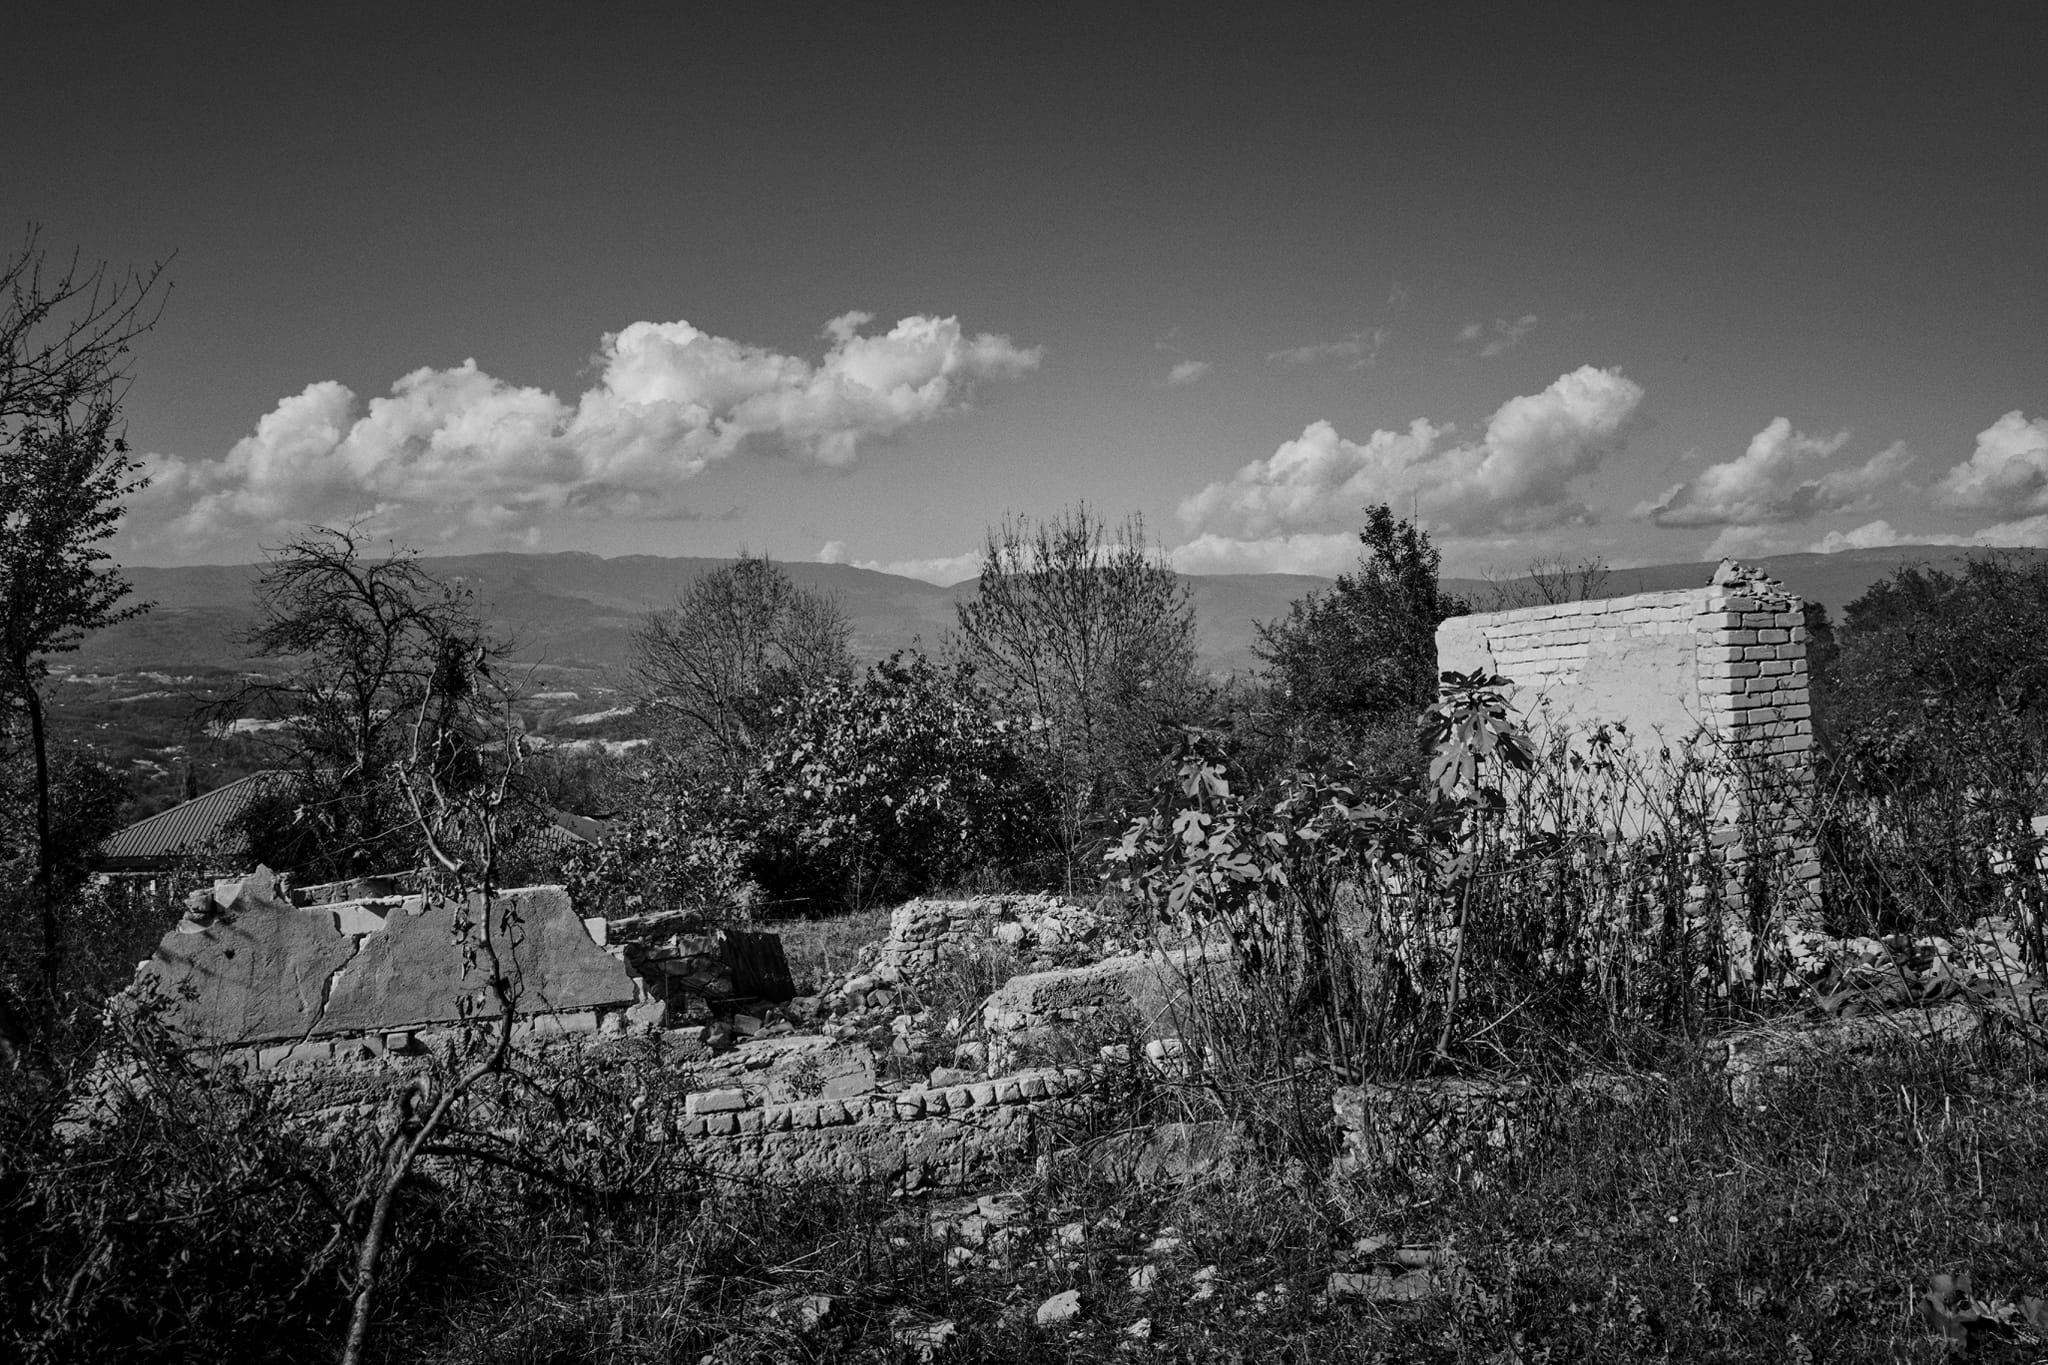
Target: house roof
[(198, 823)]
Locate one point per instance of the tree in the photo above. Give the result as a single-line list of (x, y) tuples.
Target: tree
[(65, 472), (887, 785), (1360, 656), (1087, 636), (1547, 580), (1932, 709), (374, 649), (739, 642)]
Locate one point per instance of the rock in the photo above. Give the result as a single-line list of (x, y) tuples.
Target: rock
[(715, 1102), (926, 1338), (805, 1314), (1064, 1306), (748, 1025), (947, 1075), (1380, 1287), (1175, 1153)]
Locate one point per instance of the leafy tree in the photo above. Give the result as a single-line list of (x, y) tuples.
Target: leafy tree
[(65, 333), (1086, 637), (380, 658), (1933, 714), (1348, 662), (742, 640), (888, 785)]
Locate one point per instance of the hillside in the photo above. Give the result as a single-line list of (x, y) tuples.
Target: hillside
[(574, 613)]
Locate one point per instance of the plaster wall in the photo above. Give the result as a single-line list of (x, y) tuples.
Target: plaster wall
[(1718, 670)]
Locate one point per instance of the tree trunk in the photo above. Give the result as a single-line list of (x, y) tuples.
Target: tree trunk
[(46, 863)]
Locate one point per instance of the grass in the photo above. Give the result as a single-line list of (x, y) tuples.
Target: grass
[(823, 952), (1807, 1225)]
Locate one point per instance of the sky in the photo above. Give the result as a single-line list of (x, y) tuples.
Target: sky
[(854, 284)]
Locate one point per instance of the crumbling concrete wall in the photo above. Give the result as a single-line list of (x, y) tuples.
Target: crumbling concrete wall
[(1720, 669), (259, 970)]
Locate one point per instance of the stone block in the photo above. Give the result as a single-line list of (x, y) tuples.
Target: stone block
[(715, 1101)]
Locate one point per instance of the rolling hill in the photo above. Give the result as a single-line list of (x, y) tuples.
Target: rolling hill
[(574, 613)]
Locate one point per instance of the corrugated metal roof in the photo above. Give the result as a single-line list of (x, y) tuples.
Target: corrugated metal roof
[(197, 823)]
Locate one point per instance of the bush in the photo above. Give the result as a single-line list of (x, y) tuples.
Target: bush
[(864, 791)]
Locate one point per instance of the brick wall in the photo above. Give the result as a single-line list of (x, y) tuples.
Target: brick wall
[(1718, 670)]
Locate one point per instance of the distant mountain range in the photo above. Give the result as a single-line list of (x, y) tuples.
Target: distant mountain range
[(574, 613)]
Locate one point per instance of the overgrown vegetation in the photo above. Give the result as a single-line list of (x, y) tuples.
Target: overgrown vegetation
[(1467, 904)]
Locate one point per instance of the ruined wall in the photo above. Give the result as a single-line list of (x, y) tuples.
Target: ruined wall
[(948, 1136), (259, 970), (1721, 667)]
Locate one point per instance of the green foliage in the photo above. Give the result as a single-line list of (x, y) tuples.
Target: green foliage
[(64, 475), (387, 666), (1083, 637), (1351, 661), (860, 790), (741, 642), (1932, 715), (883, 787)]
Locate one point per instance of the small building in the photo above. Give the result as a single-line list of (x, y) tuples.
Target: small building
[(205, 823)]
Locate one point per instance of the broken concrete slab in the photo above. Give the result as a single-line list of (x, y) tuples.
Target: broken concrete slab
[(257, 972), (263, 970), (416, 971)]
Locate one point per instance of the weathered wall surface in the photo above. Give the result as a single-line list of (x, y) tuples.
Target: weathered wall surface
[(1722, 665), (1630, 659), (262, 970), (915, 1139)]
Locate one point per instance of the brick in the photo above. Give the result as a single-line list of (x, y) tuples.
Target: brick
[(715, 1102), (720, 1125), (1773, 637)]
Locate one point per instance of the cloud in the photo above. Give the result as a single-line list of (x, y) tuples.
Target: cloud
[(455, 451), (1309, 552), (1496, 338), (2027, 532), (1516, 476), (1358, 351), (1188, 371), (944, 570), (832, 552), (1775, 481), (2008, 471)]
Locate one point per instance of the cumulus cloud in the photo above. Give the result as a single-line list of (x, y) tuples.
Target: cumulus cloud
[(1776, 481), (1188, 371), (2008, 471), (1498, 337), (1356, 351), (2026, 532), (1516, 476), (451, 451)]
